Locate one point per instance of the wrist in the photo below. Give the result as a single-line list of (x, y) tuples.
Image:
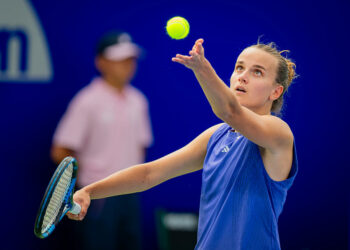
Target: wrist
[(204, 68), (86, 190)]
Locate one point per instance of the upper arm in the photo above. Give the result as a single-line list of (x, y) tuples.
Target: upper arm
[(267, 131), (188, 159)]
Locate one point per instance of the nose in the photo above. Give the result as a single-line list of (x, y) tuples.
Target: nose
[(242, 76), (243, 79)]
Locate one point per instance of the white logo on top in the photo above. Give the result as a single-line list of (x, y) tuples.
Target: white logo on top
[(226, 149)]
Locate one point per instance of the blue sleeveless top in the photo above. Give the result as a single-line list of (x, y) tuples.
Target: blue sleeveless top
[(240, 204)]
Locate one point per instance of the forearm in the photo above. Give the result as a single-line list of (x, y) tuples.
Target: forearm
[(145, 176), (127, 181), (220, 97)]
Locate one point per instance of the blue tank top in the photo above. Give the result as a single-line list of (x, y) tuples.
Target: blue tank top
[(240, 204)]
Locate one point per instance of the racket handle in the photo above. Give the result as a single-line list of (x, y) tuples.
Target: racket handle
[(76, 208)]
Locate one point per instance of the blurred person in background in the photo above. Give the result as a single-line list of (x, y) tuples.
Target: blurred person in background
[(107, 128)]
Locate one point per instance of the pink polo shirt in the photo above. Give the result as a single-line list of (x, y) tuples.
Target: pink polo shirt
[(107, 130)]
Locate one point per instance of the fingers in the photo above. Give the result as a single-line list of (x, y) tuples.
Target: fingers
[(200, 40), (82, 213), (195, 57), (199, 46), (73, 216), (181, 59), (175, 59), (194, 46), (79, 216)]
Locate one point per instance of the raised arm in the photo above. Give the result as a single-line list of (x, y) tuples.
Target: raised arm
[(145, 176), (266, 131)]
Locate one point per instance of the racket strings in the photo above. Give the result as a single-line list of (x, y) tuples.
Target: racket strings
[(57, 198)]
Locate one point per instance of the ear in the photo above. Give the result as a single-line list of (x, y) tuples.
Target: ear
[(276, 92), (99, 63)]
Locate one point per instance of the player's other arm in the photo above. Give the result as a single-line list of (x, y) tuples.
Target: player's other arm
[(141, 177), (144, 176)]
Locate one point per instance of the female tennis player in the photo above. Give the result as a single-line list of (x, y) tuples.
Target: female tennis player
[(249, 161)]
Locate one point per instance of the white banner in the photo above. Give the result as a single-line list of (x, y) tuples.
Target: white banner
[(24, 51)]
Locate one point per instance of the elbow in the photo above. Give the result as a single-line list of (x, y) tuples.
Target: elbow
[(147, 177)]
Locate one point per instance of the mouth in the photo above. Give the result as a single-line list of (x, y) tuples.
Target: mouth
[(241, 89)]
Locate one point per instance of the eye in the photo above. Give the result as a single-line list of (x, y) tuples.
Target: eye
[(239, 68), (258, 72)]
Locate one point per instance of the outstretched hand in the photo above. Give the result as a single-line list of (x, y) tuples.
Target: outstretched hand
[(196, 57)]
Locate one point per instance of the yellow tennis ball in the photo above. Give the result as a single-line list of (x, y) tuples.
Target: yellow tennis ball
[(177, 27)]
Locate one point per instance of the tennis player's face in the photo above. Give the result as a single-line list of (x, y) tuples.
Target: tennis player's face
[(253, 80)]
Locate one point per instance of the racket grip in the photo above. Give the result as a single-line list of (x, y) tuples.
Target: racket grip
[(76, 208)]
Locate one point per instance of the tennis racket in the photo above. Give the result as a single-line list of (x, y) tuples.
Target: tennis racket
[(58, 198)]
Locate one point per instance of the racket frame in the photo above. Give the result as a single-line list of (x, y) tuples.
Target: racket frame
[(67, 203)]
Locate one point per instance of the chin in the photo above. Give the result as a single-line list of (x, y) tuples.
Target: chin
[(240, 100)]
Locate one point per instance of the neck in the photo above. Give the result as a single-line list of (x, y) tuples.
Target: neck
[(115, 83), (264, 110)]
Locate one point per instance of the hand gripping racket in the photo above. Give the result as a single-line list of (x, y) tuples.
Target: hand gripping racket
[(58, 198)]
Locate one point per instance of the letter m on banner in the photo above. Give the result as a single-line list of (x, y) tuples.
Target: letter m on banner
[(6, 36), (24, 52)]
